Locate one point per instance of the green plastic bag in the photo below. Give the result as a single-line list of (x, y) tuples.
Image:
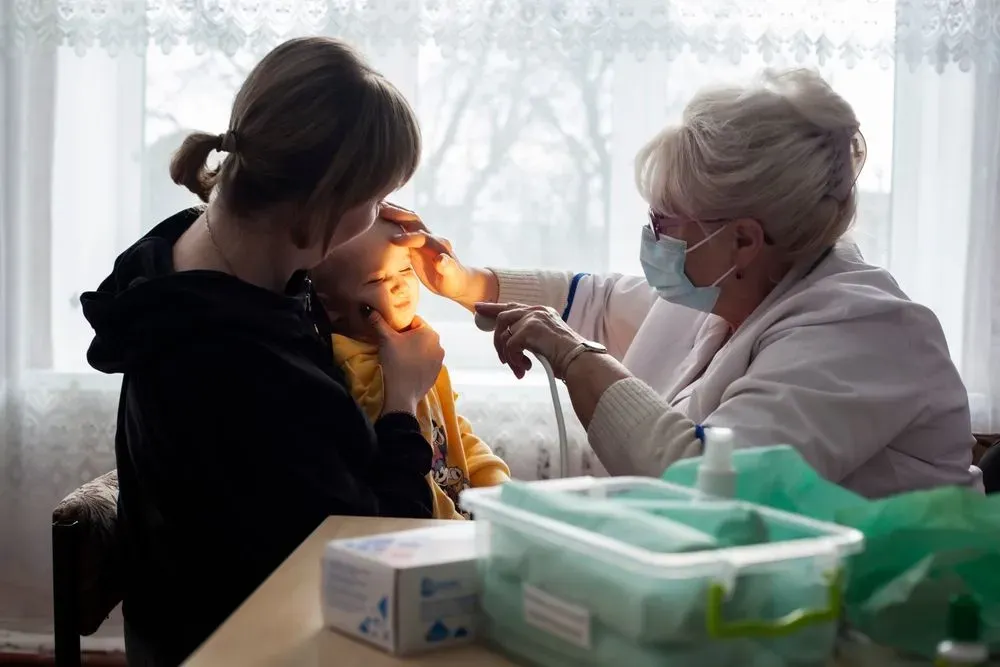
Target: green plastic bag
[(777, 477), (921, 548)]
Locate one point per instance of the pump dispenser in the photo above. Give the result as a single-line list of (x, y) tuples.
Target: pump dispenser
[(716, 475)]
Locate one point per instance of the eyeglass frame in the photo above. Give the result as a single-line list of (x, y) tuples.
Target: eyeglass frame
[(656, 219)]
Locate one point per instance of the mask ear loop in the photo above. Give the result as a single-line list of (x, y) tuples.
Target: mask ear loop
[(708, 236)]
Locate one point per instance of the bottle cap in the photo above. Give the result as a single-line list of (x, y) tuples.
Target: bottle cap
[(963, 619)]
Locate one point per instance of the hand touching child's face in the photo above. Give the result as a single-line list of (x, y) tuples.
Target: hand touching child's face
[(369, 270)]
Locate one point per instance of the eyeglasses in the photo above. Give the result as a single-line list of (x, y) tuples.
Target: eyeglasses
[(664, 225)]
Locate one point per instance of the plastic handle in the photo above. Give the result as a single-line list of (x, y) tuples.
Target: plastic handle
[(484, 323), (719, 628)]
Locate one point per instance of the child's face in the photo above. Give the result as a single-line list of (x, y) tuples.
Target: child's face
[(370, 270)]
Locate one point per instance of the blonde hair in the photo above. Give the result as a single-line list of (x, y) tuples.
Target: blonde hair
[(313, 126), (784, 151)]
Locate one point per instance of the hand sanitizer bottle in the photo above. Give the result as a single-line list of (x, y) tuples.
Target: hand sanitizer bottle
[(963, 645), (716, 475)]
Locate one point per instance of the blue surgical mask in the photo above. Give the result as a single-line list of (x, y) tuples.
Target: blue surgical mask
[(663, 264)]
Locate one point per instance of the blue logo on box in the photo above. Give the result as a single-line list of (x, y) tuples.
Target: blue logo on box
[(429, 587), (438, 632), (370, 545), (376, 626)]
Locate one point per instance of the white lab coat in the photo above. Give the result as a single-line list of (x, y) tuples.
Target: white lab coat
[(837, 362)]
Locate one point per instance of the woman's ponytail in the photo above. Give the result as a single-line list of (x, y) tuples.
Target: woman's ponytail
[(188, 166)]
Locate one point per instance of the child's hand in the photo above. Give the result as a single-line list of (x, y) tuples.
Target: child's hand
[(411, 362)]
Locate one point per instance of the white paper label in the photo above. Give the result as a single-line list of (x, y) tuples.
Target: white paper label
[(567, 621)]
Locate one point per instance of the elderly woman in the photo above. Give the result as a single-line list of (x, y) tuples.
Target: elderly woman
[(755, 312)]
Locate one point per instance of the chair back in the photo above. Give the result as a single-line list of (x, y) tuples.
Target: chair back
[(989, 463), (86, 564)]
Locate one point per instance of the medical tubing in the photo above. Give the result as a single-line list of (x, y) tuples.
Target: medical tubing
[(487, 324), (560, 421)]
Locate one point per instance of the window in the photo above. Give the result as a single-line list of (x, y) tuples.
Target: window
[(527, 162), (532, 111)]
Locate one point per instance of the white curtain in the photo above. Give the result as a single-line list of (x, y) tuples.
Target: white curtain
[(532, 111)]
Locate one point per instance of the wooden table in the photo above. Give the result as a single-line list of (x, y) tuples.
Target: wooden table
[(282, 623)]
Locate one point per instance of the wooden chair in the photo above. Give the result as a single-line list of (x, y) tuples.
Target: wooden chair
[(86, 564), (987, 456)]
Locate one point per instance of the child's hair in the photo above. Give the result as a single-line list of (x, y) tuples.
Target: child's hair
[(313, 126)]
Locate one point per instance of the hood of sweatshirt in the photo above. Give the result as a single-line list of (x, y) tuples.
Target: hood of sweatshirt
[(145, 308)]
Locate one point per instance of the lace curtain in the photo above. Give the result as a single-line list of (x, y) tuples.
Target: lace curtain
[(532, 111), (938, 32)]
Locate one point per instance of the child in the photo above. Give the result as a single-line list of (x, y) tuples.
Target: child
[(370, 270)]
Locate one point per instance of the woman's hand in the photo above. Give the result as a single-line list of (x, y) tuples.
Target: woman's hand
[(435, 262), (535, 328), (411, 362)]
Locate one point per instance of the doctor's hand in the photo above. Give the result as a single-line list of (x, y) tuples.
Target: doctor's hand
[(535, 328), (435, 263)]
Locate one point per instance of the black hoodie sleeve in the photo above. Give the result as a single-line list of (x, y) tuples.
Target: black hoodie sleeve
[(249, 428), (403, 450)]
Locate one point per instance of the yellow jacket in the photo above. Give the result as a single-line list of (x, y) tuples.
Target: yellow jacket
[(460, 459)]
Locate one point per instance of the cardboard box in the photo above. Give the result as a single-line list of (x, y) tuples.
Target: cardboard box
[(403, 592)]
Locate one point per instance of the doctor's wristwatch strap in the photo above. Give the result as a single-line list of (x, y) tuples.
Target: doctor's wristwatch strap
[(583, 347)]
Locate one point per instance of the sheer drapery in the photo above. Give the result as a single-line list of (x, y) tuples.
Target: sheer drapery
[(937, 32), (532, 111)]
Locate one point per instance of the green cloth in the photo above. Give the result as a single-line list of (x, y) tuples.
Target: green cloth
[(635, 605), (605, 645), (608, 518), (730, 524)]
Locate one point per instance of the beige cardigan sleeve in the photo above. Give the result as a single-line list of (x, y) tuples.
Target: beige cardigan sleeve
[(634, 431), (534, 288)]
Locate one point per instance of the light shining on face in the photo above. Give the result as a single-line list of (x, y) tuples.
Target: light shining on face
[(370, 270), (389, 284)]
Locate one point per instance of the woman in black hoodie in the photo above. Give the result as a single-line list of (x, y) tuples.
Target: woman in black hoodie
[(236, 435)]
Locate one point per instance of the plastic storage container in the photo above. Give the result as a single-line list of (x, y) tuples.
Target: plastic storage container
[(556, 595)]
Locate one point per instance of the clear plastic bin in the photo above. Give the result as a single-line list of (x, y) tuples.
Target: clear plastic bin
[(556, 595)]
